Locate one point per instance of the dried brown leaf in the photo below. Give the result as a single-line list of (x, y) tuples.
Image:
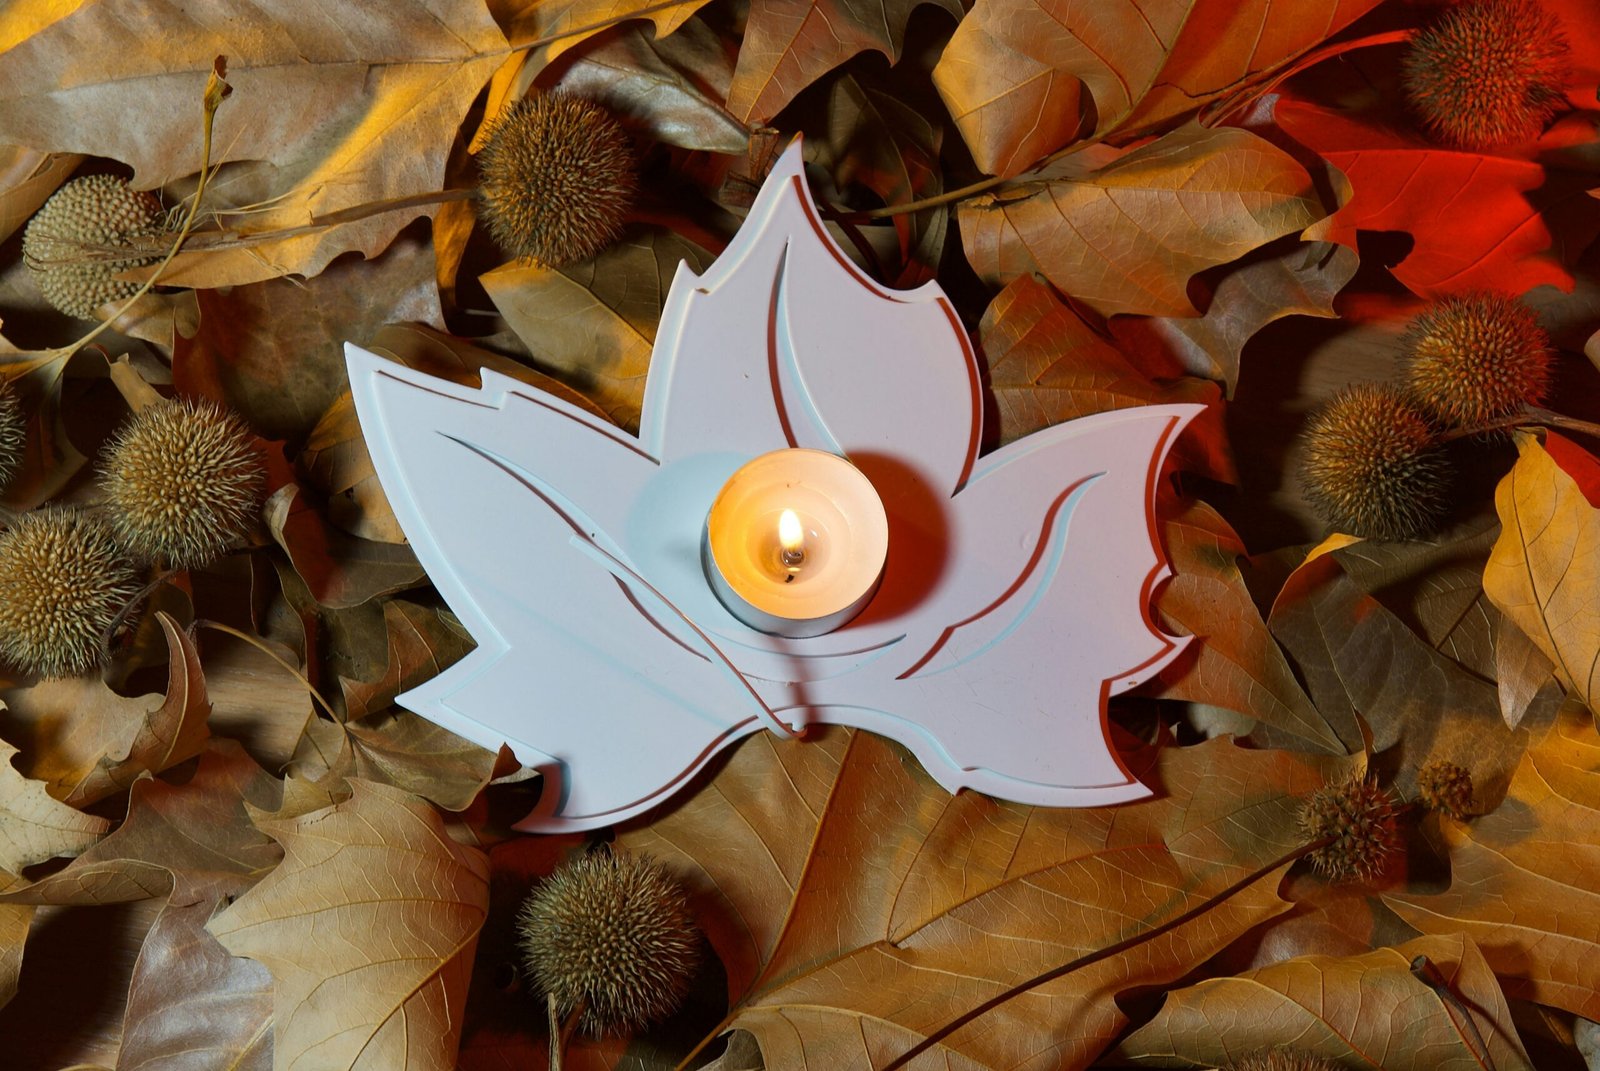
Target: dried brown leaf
[(856, 906), (347, 106), (34, 826), (400, 749), (27, 179), (339, 569), (1523, 876), (1236, 663), (1366, 1010), (593, 324), (1126, 237), (88, 742), (1544, 573), (369, 927), (1521, 671), (423, 642)]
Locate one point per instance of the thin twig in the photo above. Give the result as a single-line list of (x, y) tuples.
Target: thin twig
[(561, 1031), (1531, 417), (121, 616)]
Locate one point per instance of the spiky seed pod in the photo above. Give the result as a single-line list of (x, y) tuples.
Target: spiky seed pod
[(1475, 357), (1369, 465), (63, 580), (13, 432), (66, 244), (1359, 816), (182, 481), (610, 932), (558, 178), (1444, 786), (1284, 1060), (1487, 73)]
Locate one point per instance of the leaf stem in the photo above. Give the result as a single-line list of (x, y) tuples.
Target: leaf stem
[(1532, 416), (223, 238), (560, 1031), (255, 642), (1425, 972)]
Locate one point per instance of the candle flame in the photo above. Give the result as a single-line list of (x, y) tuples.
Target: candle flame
[(790, 534)]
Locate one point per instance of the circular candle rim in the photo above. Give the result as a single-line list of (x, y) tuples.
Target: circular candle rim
[(871, 528)]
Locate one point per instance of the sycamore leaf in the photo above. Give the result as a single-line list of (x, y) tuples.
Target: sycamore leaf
[(669, 88), (347, 109), (1476, 221), (1544, 573), (423, 642), (92, 742), (1523, 876), (563, 24), (1300, 281), (273, 350), (14, 922), (856, 906), (1360, 1011), (1126, 238), (788, 44), (1237, 664), (400, 749), (35, 827), (1019, 76), (339, 569), (593, 324), (1358, 659), (1047, 366), (27, 179), (369, 927)]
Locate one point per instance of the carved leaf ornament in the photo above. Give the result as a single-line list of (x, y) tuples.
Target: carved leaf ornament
[(1015, 599)]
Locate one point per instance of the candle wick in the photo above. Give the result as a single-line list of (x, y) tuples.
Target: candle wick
[(792, 557)]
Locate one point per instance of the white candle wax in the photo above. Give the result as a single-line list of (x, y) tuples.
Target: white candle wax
[(795, 542)]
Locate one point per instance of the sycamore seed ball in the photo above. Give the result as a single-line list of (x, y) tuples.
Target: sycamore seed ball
[(182, 482), (1369, 466), (1487, 73), (69, 246), (1359, 816), (558, 179), (610, 933), (63, 580), (13, 432), (1444, 786), (1284, 1060), (1472, 358)]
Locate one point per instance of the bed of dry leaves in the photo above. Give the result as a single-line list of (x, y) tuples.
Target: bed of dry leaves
[(295, 888)]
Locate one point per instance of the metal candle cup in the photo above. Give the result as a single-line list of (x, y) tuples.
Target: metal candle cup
[(795, 543)]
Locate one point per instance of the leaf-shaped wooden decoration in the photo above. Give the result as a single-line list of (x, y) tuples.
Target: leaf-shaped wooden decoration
[(1014, 71), (35, 827), (788, 44), (1366, 1011), (856, 907), (99, 741), (1125, 238), (1544, 573), (1523, 877), (346, 108), (368, 927)]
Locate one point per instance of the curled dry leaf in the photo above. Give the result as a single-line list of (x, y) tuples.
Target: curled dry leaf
[(1126, 237), (857, 907), (49, 459), (1358, 1011), (788, 44), (1237, 664), (27, 179), (592, 324), (369, 927), (347, 110), (1522, 878), (89, 742), (33, 825), (1544, 573), (1020, 77)]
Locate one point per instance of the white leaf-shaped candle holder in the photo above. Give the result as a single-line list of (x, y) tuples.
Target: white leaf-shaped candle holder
[(1015, 597)]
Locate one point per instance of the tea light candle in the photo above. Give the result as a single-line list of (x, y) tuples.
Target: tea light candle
[(795, 542)]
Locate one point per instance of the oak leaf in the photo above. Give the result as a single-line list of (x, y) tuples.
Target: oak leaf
[(1023, 79), (346, 109), (1544, 573), (856, 906), (1522, 877), (368, 927), (1366, 1010), (1126, 237), (91, 742)]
